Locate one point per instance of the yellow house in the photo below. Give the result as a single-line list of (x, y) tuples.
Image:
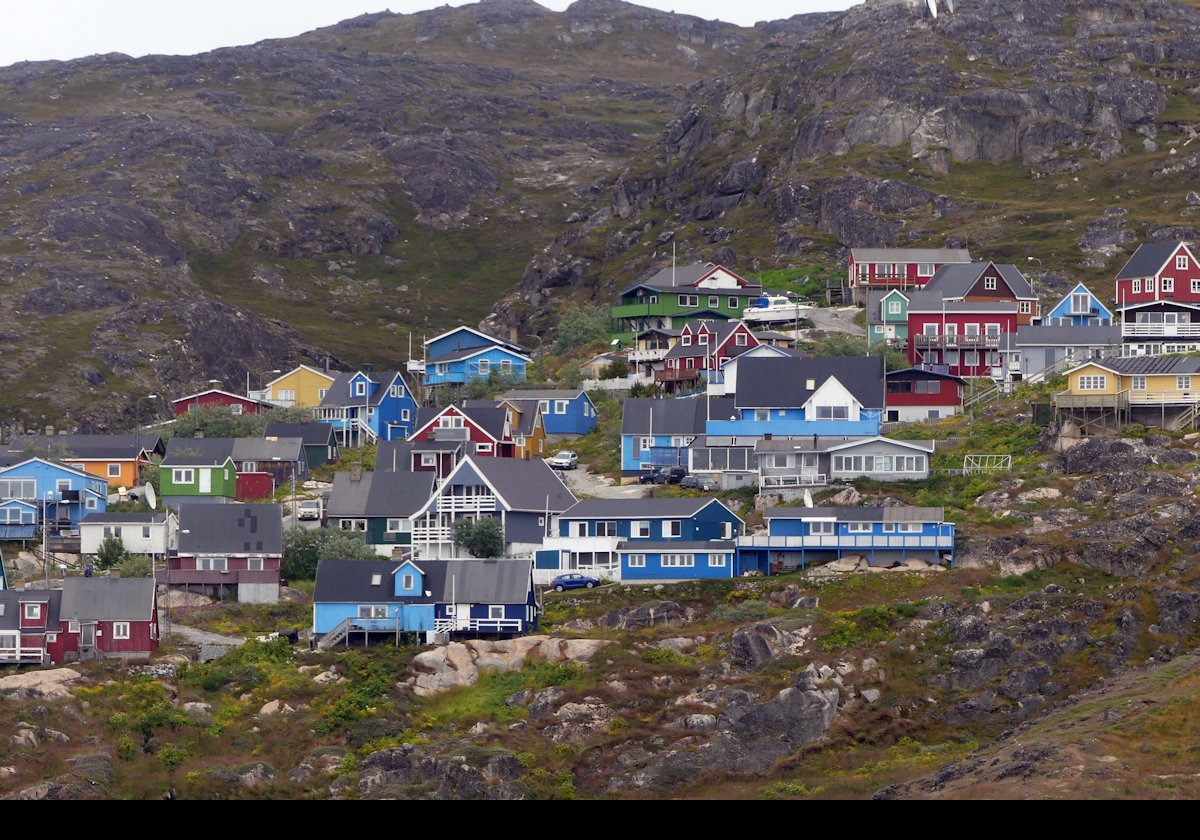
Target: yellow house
[(303, 387), (1158, 391)]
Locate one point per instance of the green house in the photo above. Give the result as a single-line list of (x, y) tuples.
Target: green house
[(196, 472), (681, 295), (378, 505), (887, 319)]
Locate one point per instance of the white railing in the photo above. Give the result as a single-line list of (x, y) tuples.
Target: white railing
[(478, 625), (651, 355), (850, 541), (801, 480), (21, 654), (1140, 329), (432, 535), (466, 504)]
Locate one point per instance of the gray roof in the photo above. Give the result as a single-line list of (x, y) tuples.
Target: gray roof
[(262, 449), (495, 581), (783, 382), (1148, 260), (1092, 335), (528, 485), (88, 446), (911, 255), (1151, 365), (672, 417), (859, 514), (956, 279), (338, 393), (389, 494), (107, 599), (931, 301), (230, 529), (721, 330), (124, 518), (684, 277), (678, 508), (11, 600), (313, 434), (825, 443), (198, 451)]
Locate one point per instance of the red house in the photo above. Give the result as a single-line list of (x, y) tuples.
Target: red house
[(1158, 296), (89, 618), (484, 431), (215, 397), (875, 271), (231, 548), (702, 346), (916, 394)]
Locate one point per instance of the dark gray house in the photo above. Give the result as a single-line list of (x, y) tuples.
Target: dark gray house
[(379, 505)]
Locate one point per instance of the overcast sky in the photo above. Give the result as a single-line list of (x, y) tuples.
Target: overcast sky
[(65, 29)]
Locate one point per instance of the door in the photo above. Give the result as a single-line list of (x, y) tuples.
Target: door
[(205, 481), (462, 616), (87, 635)]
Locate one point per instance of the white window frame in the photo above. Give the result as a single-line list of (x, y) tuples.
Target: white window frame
[(1138, 383), (32, 612), (355, 525), (1149, 285), (114, 470), (183, 475), (716, 561), (1137, 287), (369, 611), (672, 528), (495, 612), (120, 629), (678, 561), (1183, 383), (360, 388), (635, 561), (735, 302), (714, 301), (428, 459), (989, 284), (560, 406), (1168, 284), (408, 581), (640, 529), (1093, 382), (739, 340), (820, 527), (237, 409)]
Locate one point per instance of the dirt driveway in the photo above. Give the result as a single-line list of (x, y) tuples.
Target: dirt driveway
[(581, 482)]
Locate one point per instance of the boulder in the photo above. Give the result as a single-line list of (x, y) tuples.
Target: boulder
[(54, 684), (648, 614)]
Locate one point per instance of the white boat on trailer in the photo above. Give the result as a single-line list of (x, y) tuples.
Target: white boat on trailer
[(776, 308)]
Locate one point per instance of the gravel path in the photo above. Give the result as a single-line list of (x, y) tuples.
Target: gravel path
[(581, 481)]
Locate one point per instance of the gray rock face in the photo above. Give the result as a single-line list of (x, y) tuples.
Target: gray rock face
[(1109, 455), (409, 772), (1177, 609), (648, 614), (753, 645)]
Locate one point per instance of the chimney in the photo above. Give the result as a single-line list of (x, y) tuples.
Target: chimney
[(368, 368), (766, 436), (198, 433), (512, 334)]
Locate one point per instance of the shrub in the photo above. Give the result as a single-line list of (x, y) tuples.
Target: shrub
[(665, 656), (739, 612)]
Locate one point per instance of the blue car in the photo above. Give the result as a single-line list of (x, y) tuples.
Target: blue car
[(573, 581)]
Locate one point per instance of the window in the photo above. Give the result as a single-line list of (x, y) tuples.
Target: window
[(858, 527), (1025, 307), (716, 560), (726, 530), (495, 611), (254, 564), (236, 409), (352, 524), (114, 470), (1139, 383), (640, 528), (678, 560), (833, 412), (89, 503), (288, 396), (821, 527), (1183, 383), (739, 340), (483, 449), (924, 269), (606, 529), (689, 300), (1168, 284), (397, 526), (377, 580), (183, 476), (1181, 262), (1149, 284), (321, 392), (636, 561), (33, 611), (211, 564), (485, 367), (762, 414), (397, 390), (1137, 287), (686, 341), (560, 406), (893, 307), (360, 388), (372, 611), (672, 528), (120, 630), (428, 460), (989, 283), (1196, 286), (407, 581), (1093, 382), (735, 303), (714, 301), (702, 338)]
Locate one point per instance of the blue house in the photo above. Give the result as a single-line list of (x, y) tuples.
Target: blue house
[(563, 412), (34, 491), (656, 433), (797, 536), (462, 354), (360, 599), (368, 406), (590, 535), (842, 395), (1078, 308), (673, 561)]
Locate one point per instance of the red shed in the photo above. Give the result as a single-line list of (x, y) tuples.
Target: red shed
[(215, 397), (253, 486)]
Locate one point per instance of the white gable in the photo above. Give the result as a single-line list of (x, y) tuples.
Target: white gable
[(720, 279), (832, 393)]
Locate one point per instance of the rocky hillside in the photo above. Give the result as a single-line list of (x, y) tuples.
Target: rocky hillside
[(170, 220)]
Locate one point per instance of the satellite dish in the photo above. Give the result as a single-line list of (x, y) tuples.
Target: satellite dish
[(150, 499), (932, 7)]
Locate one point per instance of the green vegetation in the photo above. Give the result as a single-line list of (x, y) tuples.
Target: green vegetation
[(304, 548), (482, 538)]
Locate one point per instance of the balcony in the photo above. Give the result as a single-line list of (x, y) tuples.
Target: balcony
[(650, 354), (22, 655), (768, 482), (673, 375), (851, 541), (952, 341), (1065, 399), (1143, 330), (477, 625)]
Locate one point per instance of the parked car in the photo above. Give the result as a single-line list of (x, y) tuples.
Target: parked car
[(565, 460), (663, 475), (699, 482), (574, 580), (309, 509)]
